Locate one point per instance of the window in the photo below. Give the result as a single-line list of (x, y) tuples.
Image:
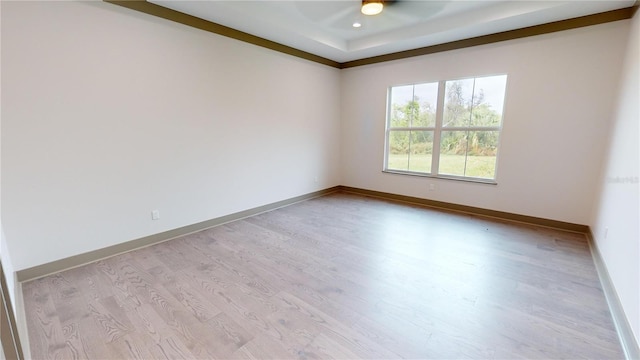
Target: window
[(446, 129)]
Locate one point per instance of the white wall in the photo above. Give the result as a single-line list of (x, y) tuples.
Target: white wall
[(560, 92), (616, 223), (108, 113), (7, 266)]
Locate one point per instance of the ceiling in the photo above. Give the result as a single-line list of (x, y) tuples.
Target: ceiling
[(324, 28)]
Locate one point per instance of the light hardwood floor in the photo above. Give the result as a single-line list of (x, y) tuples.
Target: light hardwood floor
[(341, 276)]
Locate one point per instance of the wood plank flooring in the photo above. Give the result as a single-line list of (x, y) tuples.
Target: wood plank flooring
[(341, 276)]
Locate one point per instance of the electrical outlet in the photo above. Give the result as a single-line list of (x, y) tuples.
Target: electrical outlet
[(155, 214), (432, 187), (606, 232)]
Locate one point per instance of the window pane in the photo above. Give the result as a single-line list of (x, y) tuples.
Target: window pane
[(398, 155), (488, 100), (453, 149), (457, 103), (410, 150), (426, 100), (420, 151), (401, 99), (413, 105), (469, 153), (481, 154)]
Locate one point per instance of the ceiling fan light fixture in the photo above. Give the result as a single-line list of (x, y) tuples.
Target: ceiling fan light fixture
[(370, 7)]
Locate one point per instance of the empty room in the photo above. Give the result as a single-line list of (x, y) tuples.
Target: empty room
[(319, 179)]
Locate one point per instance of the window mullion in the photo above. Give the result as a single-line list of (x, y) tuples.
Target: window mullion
[(435, 152)]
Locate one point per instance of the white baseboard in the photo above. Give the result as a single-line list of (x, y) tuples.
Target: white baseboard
[(625, 333)]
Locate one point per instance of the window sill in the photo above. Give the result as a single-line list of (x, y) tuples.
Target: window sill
[(443, 177)]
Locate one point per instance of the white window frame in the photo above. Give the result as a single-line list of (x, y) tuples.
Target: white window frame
[(437, 131)]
